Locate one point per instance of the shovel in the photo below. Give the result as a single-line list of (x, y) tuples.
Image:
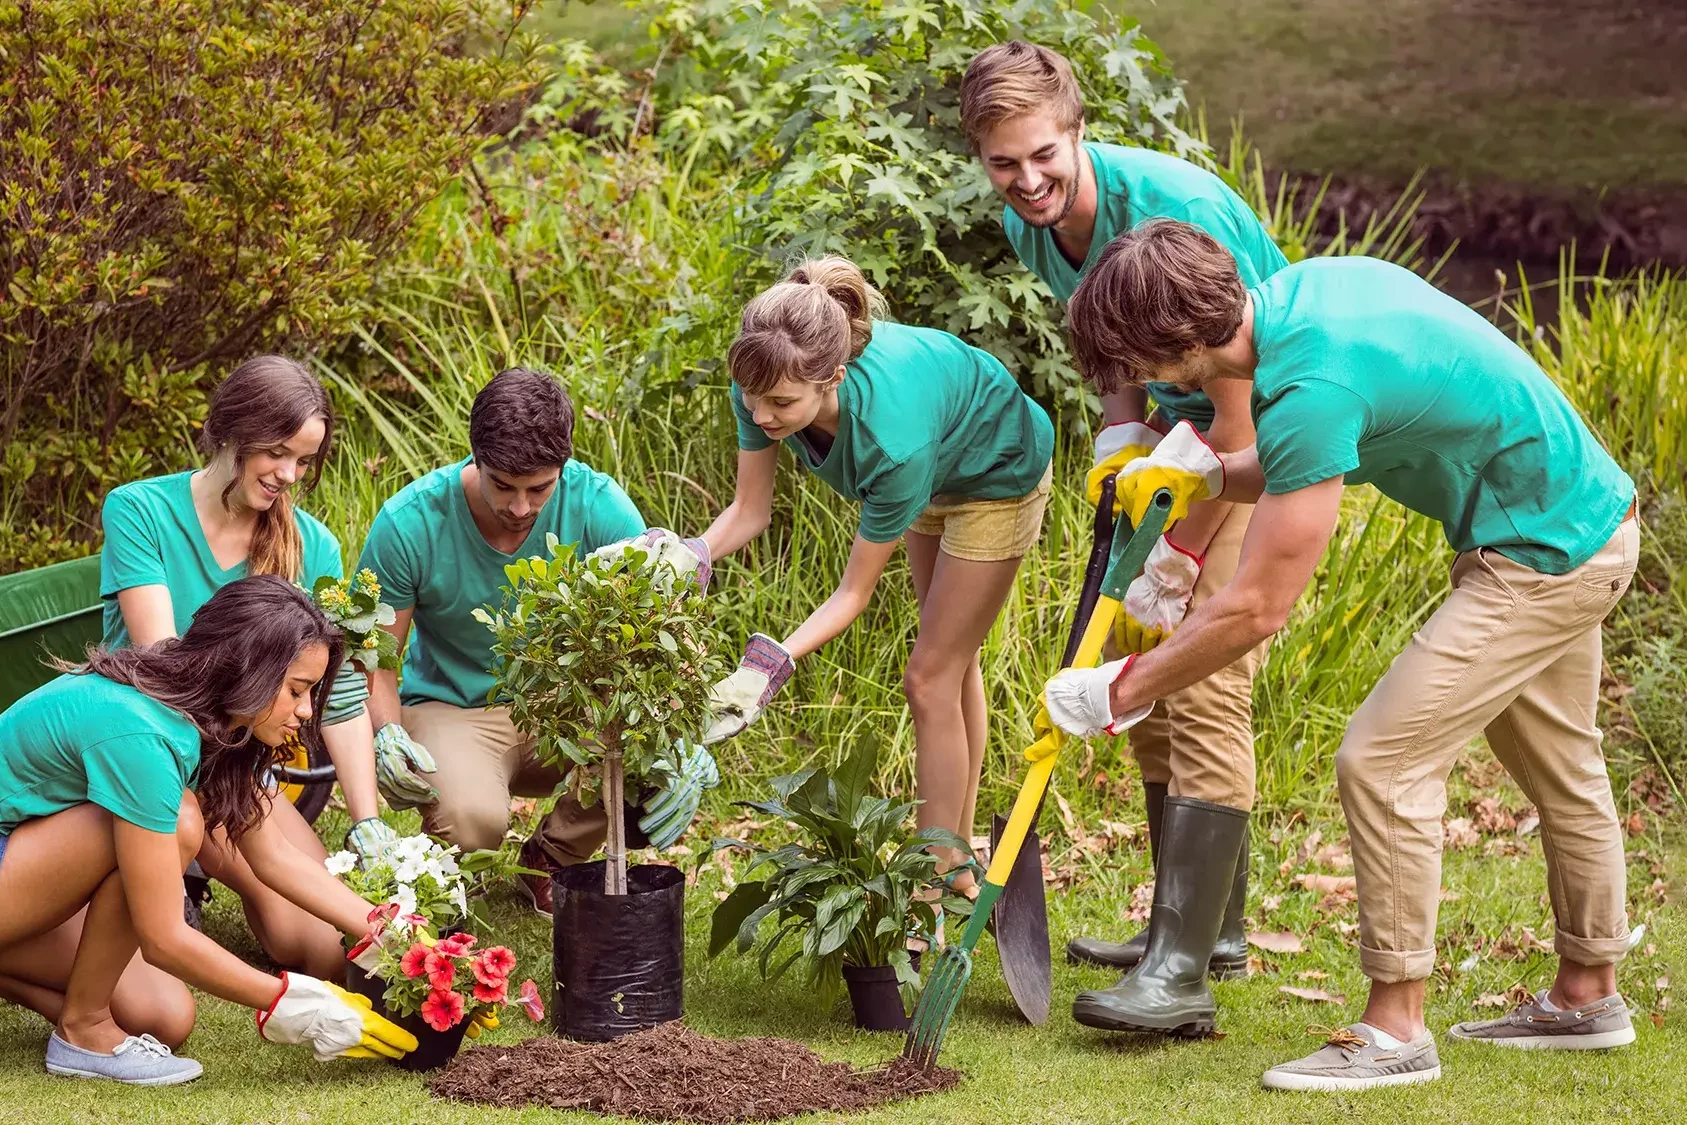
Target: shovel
[(942, 995), (1022, 917)]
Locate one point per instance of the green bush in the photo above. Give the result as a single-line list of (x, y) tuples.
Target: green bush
[(184, 184)]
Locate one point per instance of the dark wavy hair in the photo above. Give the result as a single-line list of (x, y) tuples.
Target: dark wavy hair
[(226, 669)]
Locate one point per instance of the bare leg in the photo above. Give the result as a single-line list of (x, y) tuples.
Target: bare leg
[(292, 937), (147, 1001)]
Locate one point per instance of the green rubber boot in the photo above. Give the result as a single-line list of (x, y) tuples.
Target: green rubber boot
[(1167, 992), (1230, 955)]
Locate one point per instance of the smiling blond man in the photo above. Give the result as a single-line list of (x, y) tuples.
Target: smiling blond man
[(1066, 199)]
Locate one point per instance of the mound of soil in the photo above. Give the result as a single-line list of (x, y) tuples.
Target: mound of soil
[(671, 1073)]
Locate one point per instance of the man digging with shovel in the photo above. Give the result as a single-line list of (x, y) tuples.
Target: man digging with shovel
[(1066, 198), (1361, 371)]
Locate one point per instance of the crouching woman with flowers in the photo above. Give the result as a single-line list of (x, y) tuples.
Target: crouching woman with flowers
[(112, 776)]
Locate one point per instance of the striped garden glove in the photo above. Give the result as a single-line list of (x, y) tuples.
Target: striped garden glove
[(370, 838), (738, 700), (346, 697), (399, 764), (670, 812)]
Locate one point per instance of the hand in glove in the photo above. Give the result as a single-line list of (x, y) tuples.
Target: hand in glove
[(1080, 700), (689, 558), (370, 838), (1183, 462), (399, 763), (1156, 602), (335, 1023), (347, 695), (671, 811), (738, 700), (1115, 447)]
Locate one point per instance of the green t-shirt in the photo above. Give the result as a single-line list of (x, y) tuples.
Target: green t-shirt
[(1134, 185), (153, 537), (922, 414), (1369, 372), (429, 556), (82, 739)]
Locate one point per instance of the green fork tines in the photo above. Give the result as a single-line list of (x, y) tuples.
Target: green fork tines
[(937, 1006)]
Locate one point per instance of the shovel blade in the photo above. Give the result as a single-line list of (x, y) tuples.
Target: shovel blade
[(1022, 928)]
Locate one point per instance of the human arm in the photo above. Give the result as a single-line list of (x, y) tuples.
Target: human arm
[(351, 747), (1127, 404), (383, 682), (867, 561), (1232, 429), (751, 509), (148, 614), (300, 880)]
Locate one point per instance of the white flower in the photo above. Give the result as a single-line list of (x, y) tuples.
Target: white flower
[(405, 896), (459, 898), (407, 870), (412, 848), (442, 869), (341, 863)]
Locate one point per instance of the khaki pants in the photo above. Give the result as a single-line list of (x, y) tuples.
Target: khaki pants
[(1199, 742), (1516, 654), (483, 761)]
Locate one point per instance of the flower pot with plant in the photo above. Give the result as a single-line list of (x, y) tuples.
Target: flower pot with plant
[(607, 660), (847, 895)]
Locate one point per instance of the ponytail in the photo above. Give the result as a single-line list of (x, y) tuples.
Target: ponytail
[(807, 326)]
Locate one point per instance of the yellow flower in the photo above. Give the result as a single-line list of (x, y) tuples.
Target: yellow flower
[(371, 642)]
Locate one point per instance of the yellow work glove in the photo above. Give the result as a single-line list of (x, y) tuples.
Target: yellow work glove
[(1115, 447), (1183, 463), (336, 1024), (484, 1019), (1157, 600)]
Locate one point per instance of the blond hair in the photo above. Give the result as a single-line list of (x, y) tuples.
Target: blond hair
[(1155, 293), (1014, 79), (807, 326)]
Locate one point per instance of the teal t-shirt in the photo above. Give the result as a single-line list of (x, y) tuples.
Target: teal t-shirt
[(922, 414), (153, 537), (1132, 186), (429, 556), (84, 739), (1369, 372)]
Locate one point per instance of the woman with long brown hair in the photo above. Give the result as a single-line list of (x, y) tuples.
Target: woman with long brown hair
[(111, 774), (173, 541)]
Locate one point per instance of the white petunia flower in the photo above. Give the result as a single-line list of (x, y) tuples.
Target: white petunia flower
[(408, 870), (459, 898), (341, 863), (405, 896)]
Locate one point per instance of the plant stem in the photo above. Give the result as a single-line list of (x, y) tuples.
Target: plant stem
[(615, 844)]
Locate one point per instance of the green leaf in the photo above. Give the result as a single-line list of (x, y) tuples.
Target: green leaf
[(732, 913)]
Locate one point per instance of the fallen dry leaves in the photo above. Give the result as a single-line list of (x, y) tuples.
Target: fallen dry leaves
[(1313, 995), (1459, 833), (1278, 942)]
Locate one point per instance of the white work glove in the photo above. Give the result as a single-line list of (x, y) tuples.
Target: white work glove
[(333, 1022), (688, 558), (1157, 601), (739, 700), (1080, 700), (1115, 447), (1183, 462)]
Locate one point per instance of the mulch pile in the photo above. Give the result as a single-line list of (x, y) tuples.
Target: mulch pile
[(671, 1073)]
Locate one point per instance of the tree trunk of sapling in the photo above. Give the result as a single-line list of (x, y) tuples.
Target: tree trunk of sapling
[(615, 843)]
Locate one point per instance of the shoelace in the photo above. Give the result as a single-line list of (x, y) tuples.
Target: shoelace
[(1344, 1037), (143, 1043)]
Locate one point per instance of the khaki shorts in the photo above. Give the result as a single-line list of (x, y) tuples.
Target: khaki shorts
[(987, 530)]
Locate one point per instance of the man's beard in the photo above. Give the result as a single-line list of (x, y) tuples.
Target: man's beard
[(1068, 188)]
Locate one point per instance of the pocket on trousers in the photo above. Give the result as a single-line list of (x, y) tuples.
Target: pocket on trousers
[(1603, 589)]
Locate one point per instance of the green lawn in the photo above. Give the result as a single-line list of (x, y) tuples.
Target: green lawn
[(1016, 1073)]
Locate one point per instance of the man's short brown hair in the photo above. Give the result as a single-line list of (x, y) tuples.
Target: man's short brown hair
[(522, 422), (1013, 79), (1156, 293)]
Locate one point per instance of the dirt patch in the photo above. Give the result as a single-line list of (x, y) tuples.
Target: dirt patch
[(671, 1073)]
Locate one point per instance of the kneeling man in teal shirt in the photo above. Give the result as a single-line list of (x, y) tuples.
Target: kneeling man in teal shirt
[(1362, 372), (439, 548)]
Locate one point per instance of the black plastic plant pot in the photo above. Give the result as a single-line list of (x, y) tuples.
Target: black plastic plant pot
[(876, 997), (433, 1048), (618, 960)]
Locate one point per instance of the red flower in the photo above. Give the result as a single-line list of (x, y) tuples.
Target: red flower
[(411, 920), (442, 1010), (492, 993), (456, 945), (442, 971), (383, 914), (530, 1002), (494, 965), (414, 961)]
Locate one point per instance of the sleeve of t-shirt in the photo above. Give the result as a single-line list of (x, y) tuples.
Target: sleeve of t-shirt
[(386, 552), (322, 554), (132, 555), (1309, 433), (894, 498), (751, 437), (1257, 257), (137, 777), (612, 517)]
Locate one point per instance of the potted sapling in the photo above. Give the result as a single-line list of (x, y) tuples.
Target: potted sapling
[(607, 660), (848, 895)]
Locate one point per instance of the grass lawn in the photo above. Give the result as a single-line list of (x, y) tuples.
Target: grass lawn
[(1544, 94), (1058, 1073)]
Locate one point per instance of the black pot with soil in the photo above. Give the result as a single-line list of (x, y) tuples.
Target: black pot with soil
[(433, 1048), (876, 997), (618, 960)]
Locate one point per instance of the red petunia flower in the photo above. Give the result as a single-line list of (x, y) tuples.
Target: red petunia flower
[(415, 960), (456, 945), (493, 965), (492, 993), (530, 1002), (382, 915), (442, 1010), (441, 969)]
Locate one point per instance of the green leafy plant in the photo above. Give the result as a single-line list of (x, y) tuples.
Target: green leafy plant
[(187, 183), (355, 605), (608, 663), (852, 889)]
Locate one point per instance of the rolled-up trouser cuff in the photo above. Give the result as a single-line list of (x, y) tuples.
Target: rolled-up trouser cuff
[(1590, 951), (1392, 966)]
